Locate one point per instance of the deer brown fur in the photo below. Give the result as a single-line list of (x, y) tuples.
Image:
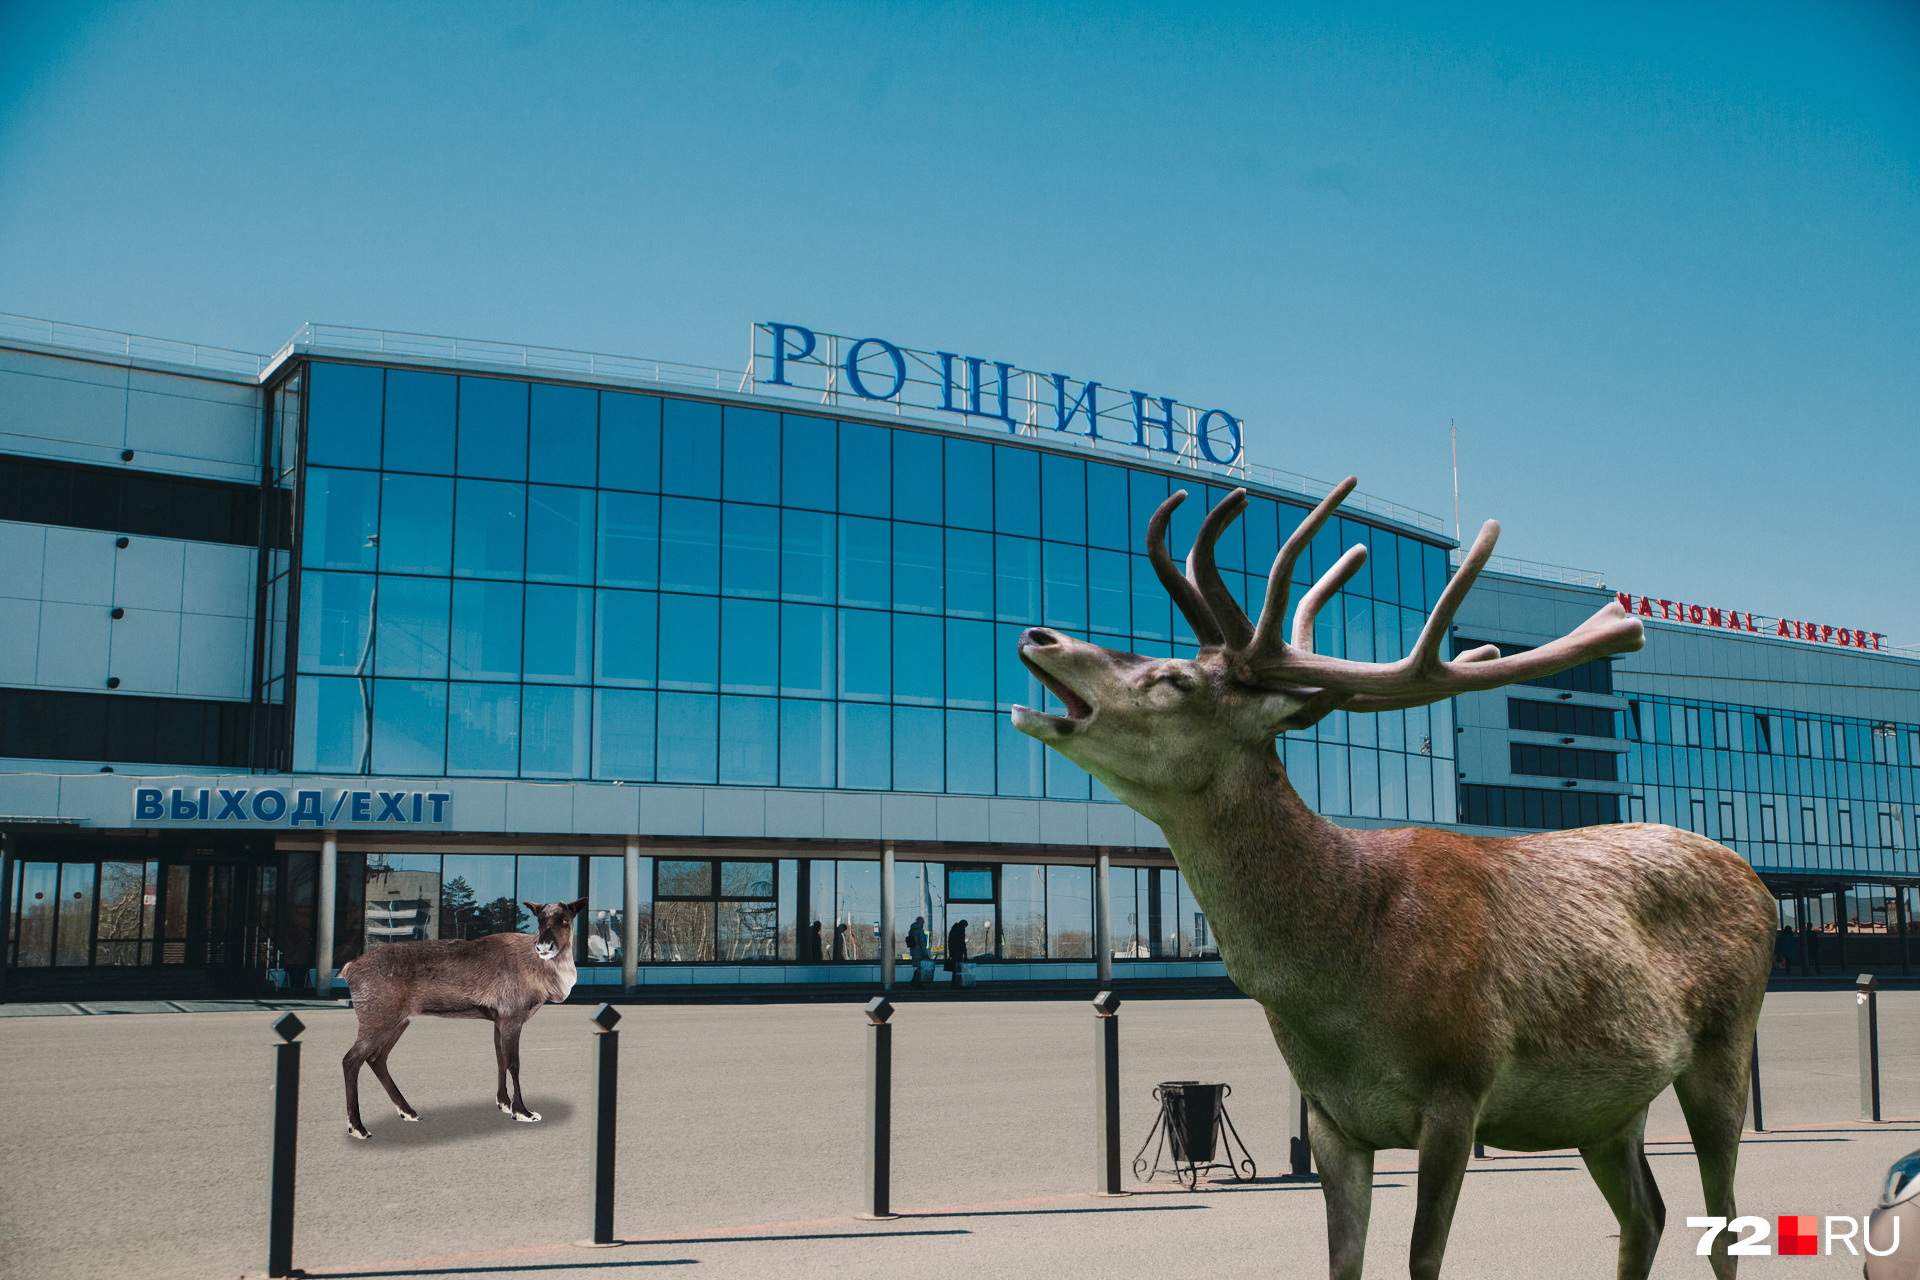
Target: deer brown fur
[(503, 977), (1427, 988)]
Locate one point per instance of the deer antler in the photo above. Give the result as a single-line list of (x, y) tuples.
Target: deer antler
[(1261, 658)]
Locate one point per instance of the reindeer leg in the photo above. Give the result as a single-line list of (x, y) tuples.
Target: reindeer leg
[(1713, 1097), (1619, 1166), (379, 1064), (520, 1111), (363, 1048), (501, 1097), (1446, 1144), (1346, 1183)]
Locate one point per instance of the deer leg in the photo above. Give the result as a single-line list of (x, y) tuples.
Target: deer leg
[(510, 1035), (1446, 1144), (364, 1046), (1346, 1183), (379, 1064), (1619, 1166), (501, 1097), (1713, 1097)]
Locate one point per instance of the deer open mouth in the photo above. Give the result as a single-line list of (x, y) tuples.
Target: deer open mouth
[(1078, 710)]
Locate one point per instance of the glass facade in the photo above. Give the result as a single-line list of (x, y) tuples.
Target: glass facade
[(508, 579), (1792, 792)]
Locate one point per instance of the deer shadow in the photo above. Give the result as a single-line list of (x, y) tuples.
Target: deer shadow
[(464, 1123)]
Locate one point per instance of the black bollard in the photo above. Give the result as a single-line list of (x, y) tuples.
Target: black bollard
[(1759, 1116), (606, 1101), (879, 1110), (286, 1133), (1867, 998), (1106, 1092)]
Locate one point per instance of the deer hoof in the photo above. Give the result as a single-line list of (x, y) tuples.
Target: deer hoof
[(529, 1117), (357, 1133), (411, 1117), (506, 1109)]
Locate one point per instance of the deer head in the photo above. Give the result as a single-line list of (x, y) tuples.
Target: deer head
[(1156, 728), (555, 919)]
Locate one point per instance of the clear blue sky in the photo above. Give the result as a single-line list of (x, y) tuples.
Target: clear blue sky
[(1661, 262)]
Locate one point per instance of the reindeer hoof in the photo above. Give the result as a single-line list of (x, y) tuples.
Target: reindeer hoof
[(411, 1117), (505, 1108), (530, 1117), (357, 1133)]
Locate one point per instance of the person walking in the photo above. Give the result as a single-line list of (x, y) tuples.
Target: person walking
[(917, 952), (957, 950)]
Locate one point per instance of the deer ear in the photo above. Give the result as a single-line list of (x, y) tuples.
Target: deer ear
[(577, 906), (533, 907)]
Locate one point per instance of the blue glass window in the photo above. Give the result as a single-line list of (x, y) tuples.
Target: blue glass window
[(1434, 565), (623, 734), (750, 551), (629, 540), (1410, 575), (752, 456), (559, 534), (920, 674), (919, 749), (409, 727), (916, 568), (483, 730), (806, 556), (411, 614), (1384, 558), (689, 737), (969, 485), (629, 442), (808, 450), (1016, 491), (806, 743), (1263, 534), (493, 428), (486, 631), (416, 524), (419, 430), (806, 650), (970, 752), (1109, 589), (1016, 579), (564, 440), (969, 574), (1353, 533), (625, 650), (749, 737), (343, 515), (559, 635), (689, 653), (1359, 626), (336, 613), (917, 485), (554, 729), (1065, 603), (1107, 521), (1015, 682), (866, 747), (1229, 550), (1152, 609), (689, 545), (689, 457), (489, 529), (749, 646), (1386, 634), (1022, 767), (330, 727), (1065, 779), (1063, 509), (866, 469), (864, 562), (343, 415), (866, 655), (1146, 490), (969, 663)]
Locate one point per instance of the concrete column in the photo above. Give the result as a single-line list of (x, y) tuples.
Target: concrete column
[(323, 915), (888, 946), (1103, 915), (630, 917), (1900, 915)]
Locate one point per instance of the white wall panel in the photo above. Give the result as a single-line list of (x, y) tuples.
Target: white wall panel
[(218, 579), (19, 640), (147, 574), (22, 549), (146, 651), (61, 408), (215, 656), (73, 646), (78, 568), (205, 428)]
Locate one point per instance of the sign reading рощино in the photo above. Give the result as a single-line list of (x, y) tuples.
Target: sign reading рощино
[(291, 806), (988, 392)]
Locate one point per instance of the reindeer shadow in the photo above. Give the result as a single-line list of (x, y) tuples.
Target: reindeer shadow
[(465, 1123)]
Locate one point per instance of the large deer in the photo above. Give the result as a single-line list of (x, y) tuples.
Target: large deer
[(1425, 987), (503, 977)]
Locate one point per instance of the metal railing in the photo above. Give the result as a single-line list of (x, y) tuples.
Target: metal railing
[(1536, 569), (108, 342)]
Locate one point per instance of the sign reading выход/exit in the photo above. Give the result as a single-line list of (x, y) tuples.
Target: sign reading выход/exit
[(291, 806)]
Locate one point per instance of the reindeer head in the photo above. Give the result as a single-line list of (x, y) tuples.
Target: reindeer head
[(556, 926), (1152, 727)]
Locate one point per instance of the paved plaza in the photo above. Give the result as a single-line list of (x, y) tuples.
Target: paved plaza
[(138, 1147)]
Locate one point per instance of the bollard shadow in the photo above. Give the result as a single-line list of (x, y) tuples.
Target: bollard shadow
[(445, 1126)]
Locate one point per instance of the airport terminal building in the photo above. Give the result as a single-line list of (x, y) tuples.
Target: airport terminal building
[(378, 637)]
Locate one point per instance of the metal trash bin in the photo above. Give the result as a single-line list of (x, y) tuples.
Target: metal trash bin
[(1194, 1123)]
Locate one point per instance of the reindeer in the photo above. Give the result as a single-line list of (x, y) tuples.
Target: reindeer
[(503, 977), (1426, 988)]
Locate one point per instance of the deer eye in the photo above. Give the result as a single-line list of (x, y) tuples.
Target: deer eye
[(1173, 676)]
